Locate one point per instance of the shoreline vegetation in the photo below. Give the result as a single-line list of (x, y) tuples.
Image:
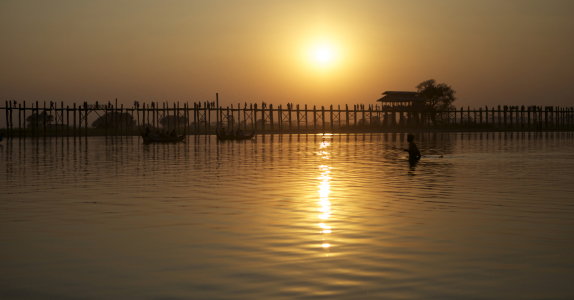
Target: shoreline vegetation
[(55, 120)]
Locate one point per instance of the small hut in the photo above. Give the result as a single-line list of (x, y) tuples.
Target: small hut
[(402, 100)]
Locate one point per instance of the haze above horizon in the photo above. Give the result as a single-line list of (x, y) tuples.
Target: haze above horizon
[(301, 52)]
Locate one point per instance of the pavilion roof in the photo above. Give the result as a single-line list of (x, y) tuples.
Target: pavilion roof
[(392, 96)]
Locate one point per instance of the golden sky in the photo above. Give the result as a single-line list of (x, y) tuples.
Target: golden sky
[(302, 52)]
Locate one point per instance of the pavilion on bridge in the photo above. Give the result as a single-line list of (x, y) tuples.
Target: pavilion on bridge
[(402, 102)]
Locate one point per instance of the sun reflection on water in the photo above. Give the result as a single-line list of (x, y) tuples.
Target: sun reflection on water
[(324, 191)]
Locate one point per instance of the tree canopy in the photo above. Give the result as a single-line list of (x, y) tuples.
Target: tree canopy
[(42, 119), (439, 97), (114, 120)]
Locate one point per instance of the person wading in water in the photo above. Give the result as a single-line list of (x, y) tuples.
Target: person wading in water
[(414, 153)]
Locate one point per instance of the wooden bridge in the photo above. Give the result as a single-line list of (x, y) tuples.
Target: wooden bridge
[(39, 120)]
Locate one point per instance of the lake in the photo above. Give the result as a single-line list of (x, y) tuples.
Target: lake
[(481, 216)]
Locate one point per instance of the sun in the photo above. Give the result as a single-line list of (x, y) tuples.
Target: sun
[(323, 55)]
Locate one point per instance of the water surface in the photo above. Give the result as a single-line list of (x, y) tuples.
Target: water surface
[(289, 216)]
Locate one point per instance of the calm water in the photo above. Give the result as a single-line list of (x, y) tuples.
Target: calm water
[(289, 217)]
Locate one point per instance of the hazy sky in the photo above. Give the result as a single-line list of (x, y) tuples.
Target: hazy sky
[(304, 52)]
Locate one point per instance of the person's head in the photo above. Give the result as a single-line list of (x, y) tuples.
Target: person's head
[(410, 137)]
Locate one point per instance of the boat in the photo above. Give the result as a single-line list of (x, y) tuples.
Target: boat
[(165, 139), (235, 137)]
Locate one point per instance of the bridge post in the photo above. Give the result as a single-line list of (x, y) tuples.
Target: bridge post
[(314, 119), (339, 109), (19, 120), (347, 116), (323, 117), (74, 113), (332, 118), (44, 119), (280, 116), (255, 114), (67, 121), (86, 121), (271, 117), (298, 119), (6, 112), (306, 120), (355, 110), (290, 109), (24, 118), (106, 115)]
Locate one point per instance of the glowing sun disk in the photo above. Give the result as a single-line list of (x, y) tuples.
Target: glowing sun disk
[(323, 55)]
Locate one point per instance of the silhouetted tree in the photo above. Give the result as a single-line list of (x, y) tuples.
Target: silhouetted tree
[(170, 120), (42, 119), (439, 97), (114, 120)]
